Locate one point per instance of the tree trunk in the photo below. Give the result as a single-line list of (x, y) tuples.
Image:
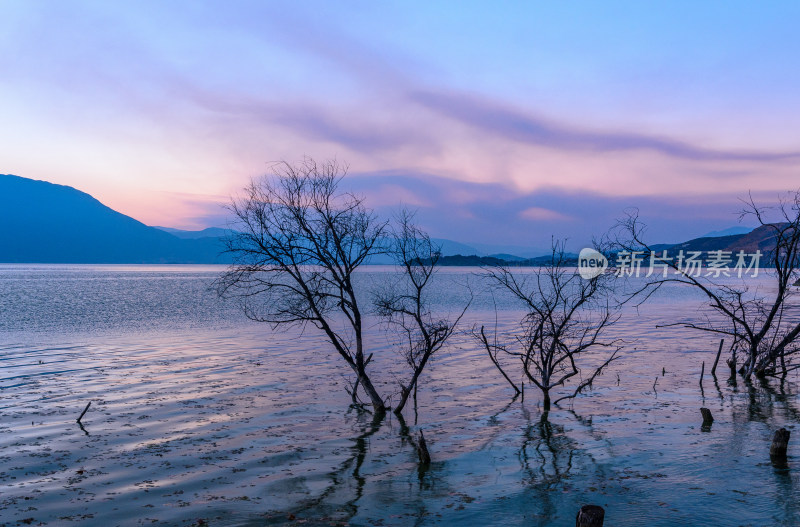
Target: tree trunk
[(377, 403), (546, 403), (412, 386), (360, 366), (404, 393), (751, 362)]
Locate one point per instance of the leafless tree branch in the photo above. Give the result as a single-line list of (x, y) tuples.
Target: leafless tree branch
[(566, 317), (297, 242)]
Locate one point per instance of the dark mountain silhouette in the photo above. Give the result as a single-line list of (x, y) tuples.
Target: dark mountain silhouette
[(47, 223), (507, 257), (760, 239), (508, 260), (459, 260), (707, 243)]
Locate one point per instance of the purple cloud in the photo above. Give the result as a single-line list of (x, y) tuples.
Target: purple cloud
[(523, 127), (492, 213)]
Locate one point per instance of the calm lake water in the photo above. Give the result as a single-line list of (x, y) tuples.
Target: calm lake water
[(199, 414)]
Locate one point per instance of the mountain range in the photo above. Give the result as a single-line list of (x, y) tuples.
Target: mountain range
[(47, 223), (759, 239)]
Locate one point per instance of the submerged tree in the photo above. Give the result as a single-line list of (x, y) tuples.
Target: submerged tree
[(566, 319), (762, 323), (406, 304), (297, 244)]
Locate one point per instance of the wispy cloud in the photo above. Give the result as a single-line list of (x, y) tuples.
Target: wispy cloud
[(543, 214), (517, 125), (126, 109)]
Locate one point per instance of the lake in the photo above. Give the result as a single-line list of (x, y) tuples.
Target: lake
[(201, 416)]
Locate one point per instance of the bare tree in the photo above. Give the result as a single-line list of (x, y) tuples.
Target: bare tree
[(298, 243), (566, 318), (406, 305), (759, 321)]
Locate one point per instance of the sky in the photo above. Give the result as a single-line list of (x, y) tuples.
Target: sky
[(499, 122)]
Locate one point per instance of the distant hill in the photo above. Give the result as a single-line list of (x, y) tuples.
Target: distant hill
[(518, 251), (450, 248), (459, 260), (761, 238), (514, 261), (730, 231), (210, 232), (507, 257), (707, 243), (47, 223)]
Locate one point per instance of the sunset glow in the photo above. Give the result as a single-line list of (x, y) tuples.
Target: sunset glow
[(163, 112)]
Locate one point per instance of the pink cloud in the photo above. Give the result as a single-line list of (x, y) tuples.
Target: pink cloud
[(542, 214)]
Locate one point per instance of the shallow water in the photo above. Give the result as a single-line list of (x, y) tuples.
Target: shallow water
[(199, 414)]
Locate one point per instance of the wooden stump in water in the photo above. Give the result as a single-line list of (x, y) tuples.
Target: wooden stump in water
[(590, 516), (716, 361), (732, 365), (422, 450), (708, 419), (84, 412), (780, 442)]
